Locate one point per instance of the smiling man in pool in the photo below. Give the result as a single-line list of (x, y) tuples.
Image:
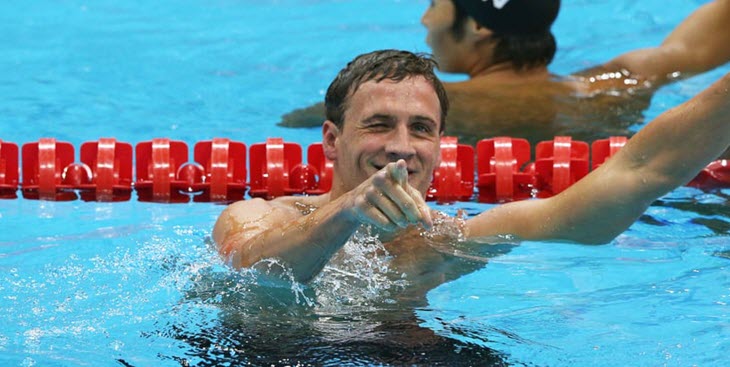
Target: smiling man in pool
[(505, 48), (385, 115)]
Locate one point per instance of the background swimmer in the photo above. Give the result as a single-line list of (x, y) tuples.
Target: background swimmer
[(506, 51)]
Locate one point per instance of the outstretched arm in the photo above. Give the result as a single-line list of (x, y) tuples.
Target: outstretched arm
[(700, 43), (665, 154), (249, 231)]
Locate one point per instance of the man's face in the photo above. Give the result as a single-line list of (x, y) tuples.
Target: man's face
[(386, 121), (446, 49)]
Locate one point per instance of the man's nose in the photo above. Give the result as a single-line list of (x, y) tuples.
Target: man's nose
[(399, 145)]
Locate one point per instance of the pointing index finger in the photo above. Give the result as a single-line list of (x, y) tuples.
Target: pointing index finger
[(399, 172)]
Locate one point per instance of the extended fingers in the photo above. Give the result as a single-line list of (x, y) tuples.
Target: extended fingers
[(421, 206), (369, 213), (414, 206), (409, 200), (388, 201), (390, 208), (397, 198)]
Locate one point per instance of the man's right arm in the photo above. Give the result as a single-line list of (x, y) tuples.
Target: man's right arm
[(249, 231), (252, 230)]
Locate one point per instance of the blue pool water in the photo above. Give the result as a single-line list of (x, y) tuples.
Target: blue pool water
[(137, 284)]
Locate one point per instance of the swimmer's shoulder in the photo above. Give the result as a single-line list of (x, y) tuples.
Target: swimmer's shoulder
[(263, 213), (588, 82), (486, 88), (286, 206)]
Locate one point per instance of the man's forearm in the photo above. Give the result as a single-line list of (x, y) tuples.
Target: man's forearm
[(304, 245)]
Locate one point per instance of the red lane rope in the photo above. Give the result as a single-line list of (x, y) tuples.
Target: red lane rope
[(219, 171)]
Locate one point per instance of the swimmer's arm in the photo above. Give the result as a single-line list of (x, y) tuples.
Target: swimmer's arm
[(249, 231), (311, 116), (700, 43), (665, 154)]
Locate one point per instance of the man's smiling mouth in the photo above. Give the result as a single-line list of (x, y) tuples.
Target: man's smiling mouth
[(379, 167)]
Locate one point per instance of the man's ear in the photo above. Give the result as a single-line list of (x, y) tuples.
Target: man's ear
[(476, 32), (330, 137)]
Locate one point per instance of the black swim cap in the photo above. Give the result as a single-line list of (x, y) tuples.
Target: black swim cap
[(513, 17)]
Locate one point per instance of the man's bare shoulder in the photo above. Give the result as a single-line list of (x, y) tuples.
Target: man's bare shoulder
[(263, 213), (294, 206)]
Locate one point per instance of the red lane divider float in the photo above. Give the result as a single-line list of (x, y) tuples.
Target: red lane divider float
[(222, 175), (271, 163), (276, 169), (319, 175), (715, 176), (218, 172), (500, 165), (454, 178), (110, 164), (559, 163), (159, 164), (605, 148), (8, 170), (48, 173)]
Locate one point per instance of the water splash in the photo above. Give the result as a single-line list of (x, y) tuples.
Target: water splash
[(271, 273), (360, 274)]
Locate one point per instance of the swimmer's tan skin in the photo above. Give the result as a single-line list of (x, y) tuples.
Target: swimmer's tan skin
[(384, 139), (498, 99)]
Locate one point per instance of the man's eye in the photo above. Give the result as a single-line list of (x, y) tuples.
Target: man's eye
[(378, 126), (422, 128)]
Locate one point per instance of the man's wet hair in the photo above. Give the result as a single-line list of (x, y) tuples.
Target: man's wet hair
[(523, 51), (395, 65)]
